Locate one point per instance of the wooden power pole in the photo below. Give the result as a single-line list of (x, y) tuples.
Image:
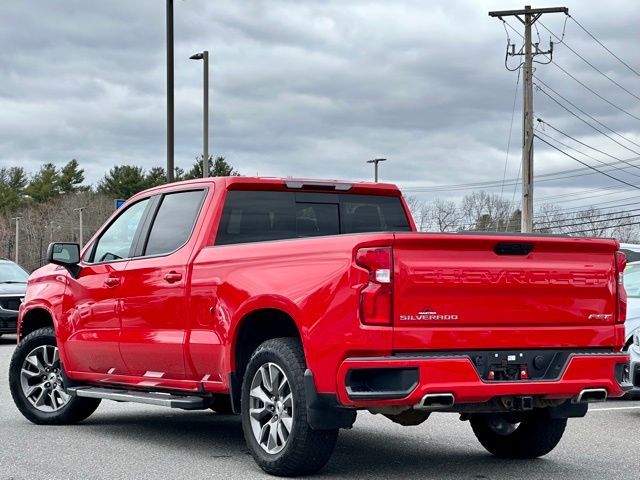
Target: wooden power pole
[(528, 16)]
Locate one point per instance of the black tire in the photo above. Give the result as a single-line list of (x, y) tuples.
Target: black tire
[(222, 405), (306, 450), (632, 395), (535, 436), (76, 409)]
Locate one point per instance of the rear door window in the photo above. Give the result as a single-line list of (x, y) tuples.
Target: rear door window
[(253, 216), (174, 222)]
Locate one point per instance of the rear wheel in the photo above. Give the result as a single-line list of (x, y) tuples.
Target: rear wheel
[(37, 383), (533, 435), (274, 412)]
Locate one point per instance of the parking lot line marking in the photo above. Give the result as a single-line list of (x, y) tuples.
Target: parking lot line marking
[(614, 408)]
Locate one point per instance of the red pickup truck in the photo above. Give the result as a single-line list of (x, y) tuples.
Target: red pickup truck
[(295, 303)]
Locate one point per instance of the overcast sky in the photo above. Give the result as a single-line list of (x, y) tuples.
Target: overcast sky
[(309, 88)]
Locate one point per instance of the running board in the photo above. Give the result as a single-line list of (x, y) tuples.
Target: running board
[(149, 398)]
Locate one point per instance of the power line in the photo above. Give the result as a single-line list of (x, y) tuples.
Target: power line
[(583, 112), (581, 142), (583, 192), (615, 226), (573, 77), (603, 46), (528, 17), (590, 222), (566, 145), (594, 92), (587, 123), (513, 112), (559, 221), (574, 209), (586, 164), (544, 177), (591, 64)]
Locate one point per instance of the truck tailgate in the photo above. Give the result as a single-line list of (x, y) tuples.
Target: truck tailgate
[(462, 291)]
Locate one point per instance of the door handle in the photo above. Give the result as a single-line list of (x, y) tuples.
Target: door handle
[(112, 282), (173, 277)]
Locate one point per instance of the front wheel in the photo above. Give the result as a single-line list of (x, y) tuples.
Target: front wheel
[(274, 412), (36, 380), (533, 435)]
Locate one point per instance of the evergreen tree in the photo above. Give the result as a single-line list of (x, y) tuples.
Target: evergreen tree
[(45, 184), (155, 177), (13, 182), (178, 174), (71, 176), (217, 168), (123, 181)]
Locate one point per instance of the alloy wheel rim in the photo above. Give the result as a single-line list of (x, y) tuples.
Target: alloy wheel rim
[(41, 379), (271, 408)]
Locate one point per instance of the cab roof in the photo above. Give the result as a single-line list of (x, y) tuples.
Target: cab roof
[(286, 184)]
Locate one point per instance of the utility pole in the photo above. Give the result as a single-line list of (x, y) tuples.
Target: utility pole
[(170, 103), (17, 219), (528, 16), (51, 231), (375, 162), (79, 210), (205, 110)]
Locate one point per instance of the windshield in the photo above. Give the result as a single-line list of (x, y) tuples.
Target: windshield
[(12, 273), (632, 280)]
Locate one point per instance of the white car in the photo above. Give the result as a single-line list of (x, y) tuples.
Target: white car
[(632, 325), (632, 286)]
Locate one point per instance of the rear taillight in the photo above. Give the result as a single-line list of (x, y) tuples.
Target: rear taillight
[(621, 311), (375, 297)]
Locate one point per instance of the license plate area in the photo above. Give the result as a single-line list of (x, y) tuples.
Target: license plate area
[(513, 365)]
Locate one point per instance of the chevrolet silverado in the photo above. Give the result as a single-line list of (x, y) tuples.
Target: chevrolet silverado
[(296, 303)]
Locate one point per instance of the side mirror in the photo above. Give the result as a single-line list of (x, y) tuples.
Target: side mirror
[(66, 255)]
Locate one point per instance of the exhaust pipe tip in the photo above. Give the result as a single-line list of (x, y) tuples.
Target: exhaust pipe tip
[(591, 395), (436, 401)]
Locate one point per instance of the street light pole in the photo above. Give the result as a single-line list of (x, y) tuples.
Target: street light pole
[(205, 110), (170, 102), (375, 162), (79, 210), (17, 219)]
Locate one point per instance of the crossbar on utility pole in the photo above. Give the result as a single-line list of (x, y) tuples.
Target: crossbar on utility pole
[(17, 219), (528, 16), (375, 162)]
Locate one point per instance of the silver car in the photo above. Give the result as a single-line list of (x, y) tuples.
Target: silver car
[(632, 325)]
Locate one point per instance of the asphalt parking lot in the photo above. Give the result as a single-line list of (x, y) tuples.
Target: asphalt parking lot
[(136, 441)]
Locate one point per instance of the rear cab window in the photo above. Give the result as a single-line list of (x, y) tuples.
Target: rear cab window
[(258, 216)]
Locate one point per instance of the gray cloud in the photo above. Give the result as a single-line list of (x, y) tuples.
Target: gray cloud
[(302, 88)]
